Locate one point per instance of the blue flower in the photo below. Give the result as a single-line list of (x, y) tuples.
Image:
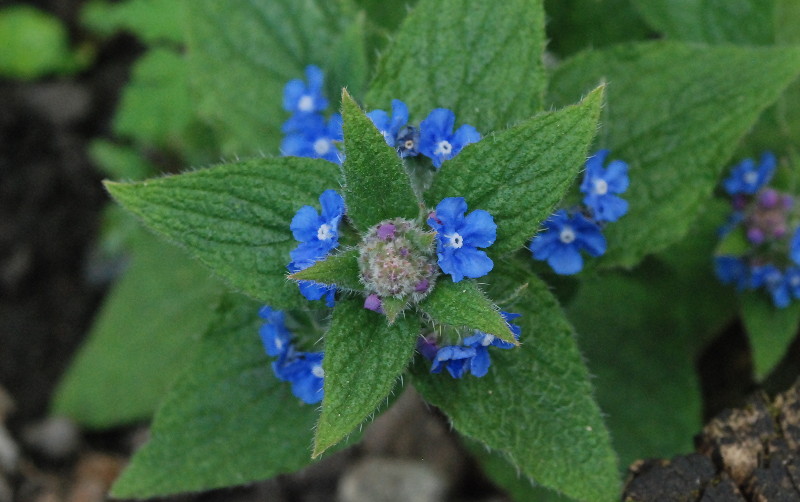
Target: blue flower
[(301, 98), (309, 136), (481, 342), (774, 281), (437, 140), (391, 127), (458, 238), (312, 290), (304, 371), (792, 277), (563, 238), (748, 178), (794, 247), (732, 270), (276, 338), (455, 358), (600, 184)]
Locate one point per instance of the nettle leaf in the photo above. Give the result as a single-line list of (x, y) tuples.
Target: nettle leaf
[(242, 54), (711, 21), (147, 327), (463, 305), (235, 217), (519, 175), (339, 269), (376, 186), (535, 405), (663, 118), (153, 21), (770, 330), (363, 359), (227, 419), (480, 59)]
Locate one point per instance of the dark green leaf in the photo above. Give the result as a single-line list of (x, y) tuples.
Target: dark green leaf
[(363, 360), (242, 54), (235, 217), (463, 305), (535, 405), (227, 420), (482, 60), (770, 330), (146, 329), (711, 21), (339, 269), (376, 186), (153, 21), (520, 174), (663, 118)]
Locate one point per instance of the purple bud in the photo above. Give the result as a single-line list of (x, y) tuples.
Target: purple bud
[(739, 202), (427, 347), (386, 231), (422, 286), (373, 303), (769, 199), (787, 202), (755, 235), (779, 231)]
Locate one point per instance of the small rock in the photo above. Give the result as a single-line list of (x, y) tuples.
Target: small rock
[(60, 102), (9, 452), (55, 437), (391, 480), (94, 475), (6, 494)]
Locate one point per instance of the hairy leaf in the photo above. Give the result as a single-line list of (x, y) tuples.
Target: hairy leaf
[(663, 118), (363, 359), (339, 269), (520, 174), (235, 217), (770, 330), (376, 186), (480, 59), (535, 405), (139, 342)]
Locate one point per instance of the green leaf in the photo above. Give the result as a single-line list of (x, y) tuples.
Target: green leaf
[(663, 118), (227, 419), (153, 21), (242, 54), (119, 162), (535, 405), (35, 44), (770, 330), (520, 174), (363, 359), (376, 187), (482, 60), (146, 328), (235, 217), (339, 269), (711, 21), (463, 305)]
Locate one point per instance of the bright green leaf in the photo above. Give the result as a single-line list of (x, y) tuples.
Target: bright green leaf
[(463, 305), (153, 21), (770, 330), (663, 118), (711, 21), (520, 174), (339, 269), (120, 162), (483, 60), (242, 54), (376, 187), (235, 217), (145, 330), (363, 360), (535, 405), (227, 419)]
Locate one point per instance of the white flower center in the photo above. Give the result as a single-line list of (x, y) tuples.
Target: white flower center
[(567, 235), (278, 343), (795, 280), (751, 177), (600, 186), (456, 241), (317, 371), (325, 232), (443, 148), (322, 146), (306, 103)]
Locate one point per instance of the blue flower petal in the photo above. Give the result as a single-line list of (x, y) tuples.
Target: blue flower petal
[(794, 250), (305, 224), (450, 211), (566, 261), (479, 229), (479, 365), (472, 263), (465, 135)]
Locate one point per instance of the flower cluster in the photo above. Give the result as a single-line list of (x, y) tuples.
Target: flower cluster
[(308, 134), (302, 369), (761, 241), (566, 233), (471, 356)]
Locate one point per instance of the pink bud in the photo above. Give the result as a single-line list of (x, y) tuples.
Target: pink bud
[(386, 231), (373, 303), (755, 235)]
